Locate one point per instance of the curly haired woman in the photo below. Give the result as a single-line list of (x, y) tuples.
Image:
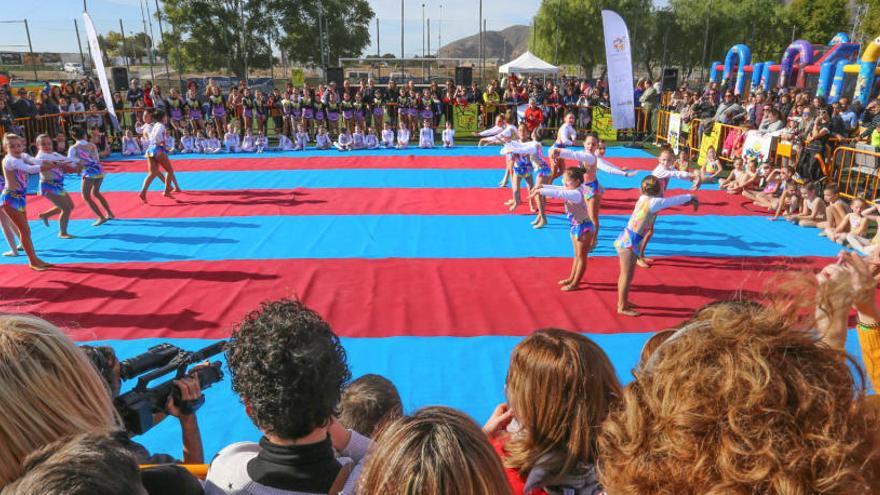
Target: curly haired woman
[(743, 400)]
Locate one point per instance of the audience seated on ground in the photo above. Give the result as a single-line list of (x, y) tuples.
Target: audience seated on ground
[(560, 387), (436, 451), (289, 370), (368, 404)]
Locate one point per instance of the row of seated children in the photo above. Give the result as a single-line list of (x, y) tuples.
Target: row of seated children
[(709, 172), (346, 141), (802, 204)]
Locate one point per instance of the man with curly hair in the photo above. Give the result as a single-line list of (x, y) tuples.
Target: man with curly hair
[(289, 369)]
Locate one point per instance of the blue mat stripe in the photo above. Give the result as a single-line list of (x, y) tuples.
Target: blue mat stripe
[(407, 236), (465, 373), (611, 152), (344, 178)]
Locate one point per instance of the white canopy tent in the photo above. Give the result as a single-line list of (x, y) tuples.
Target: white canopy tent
[(528, 63)]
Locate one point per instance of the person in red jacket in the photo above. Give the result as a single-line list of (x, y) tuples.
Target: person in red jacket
[(560, 387), (533, 116)]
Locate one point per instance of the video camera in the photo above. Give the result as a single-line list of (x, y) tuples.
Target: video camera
[(138, 405)]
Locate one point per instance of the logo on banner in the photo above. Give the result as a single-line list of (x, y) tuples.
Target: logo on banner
[(619, 44), (464, 118)]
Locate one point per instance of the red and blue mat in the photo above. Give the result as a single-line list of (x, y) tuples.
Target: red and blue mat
[(410, 255)]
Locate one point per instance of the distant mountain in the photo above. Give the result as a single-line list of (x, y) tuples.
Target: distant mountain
[(506, 44)]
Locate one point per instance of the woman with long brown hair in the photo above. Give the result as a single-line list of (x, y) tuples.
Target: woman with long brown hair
[(560, 387)]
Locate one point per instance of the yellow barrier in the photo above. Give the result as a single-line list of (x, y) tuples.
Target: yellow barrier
[(200, 471), (855, 172)]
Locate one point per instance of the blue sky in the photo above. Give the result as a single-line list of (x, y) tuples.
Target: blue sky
[(51, 21)]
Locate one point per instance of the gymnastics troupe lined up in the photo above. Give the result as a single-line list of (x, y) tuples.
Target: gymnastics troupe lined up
[(582, 195), (580, 190), (82, 157)]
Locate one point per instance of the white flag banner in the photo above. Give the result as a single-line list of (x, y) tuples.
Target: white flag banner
[(672, 136), (98, 60), (620, 79)]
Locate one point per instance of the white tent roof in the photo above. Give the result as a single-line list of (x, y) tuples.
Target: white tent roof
[(528, 63)]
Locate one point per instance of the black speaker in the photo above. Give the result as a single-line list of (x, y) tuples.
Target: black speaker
[(120, 78), (464, 76), (334, 75), (670, 80)]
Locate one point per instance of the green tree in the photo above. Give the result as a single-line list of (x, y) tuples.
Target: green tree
[(216, 34), (719, 24), (135, 47), (569, 32), (347, 30), (869, 20), (818, 21)]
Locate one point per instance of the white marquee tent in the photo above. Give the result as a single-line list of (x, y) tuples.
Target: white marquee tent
[(528, 63)]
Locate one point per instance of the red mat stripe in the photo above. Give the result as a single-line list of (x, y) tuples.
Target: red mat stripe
[(377, 298), (345, 162), (362, 202)]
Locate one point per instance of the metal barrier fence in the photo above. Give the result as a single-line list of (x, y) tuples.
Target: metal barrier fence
[(855, 171)]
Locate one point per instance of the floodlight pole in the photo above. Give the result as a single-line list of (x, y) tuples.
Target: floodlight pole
[(27, 30)]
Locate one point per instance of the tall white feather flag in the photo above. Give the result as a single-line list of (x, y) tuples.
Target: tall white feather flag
[(620, 78), (98, 60)]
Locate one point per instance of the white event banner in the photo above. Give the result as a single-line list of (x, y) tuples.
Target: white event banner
[(98, 60), (620, 79)]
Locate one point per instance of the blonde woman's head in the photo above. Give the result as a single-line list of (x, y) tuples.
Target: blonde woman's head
[(436, 451), (49, 390)]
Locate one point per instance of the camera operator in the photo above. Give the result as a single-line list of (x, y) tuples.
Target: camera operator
[(105, 360)]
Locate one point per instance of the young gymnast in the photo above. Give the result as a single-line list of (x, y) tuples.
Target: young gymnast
[(520, 153), (683, 162), (865, 246), (130, 145), (302, 138), (540, 170), (212, 143), (812, 209), (52, 185), (8, 228), (371, 142), (836, 209), (853, 223), (663, 172), (357, 138), (16, 166), (565, 138), (200, 142), (248, 142), (86, 154), (285, 144), (343, 141), (629, 242), (711, 170), (231, 140), (402, 136), (322, 139), (448, 135), (500, 133), (157, 155), (387, 136), (426, 135), (170, 143), (581, 218), (736, 175), (187, 142), (261, 141), (591, 164)]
